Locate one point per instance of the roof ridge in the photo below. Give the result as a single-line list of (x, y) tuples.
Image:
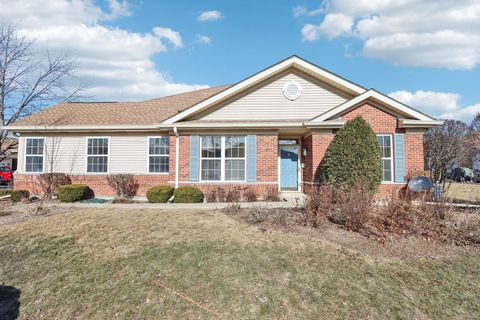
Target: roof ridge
[(187, 92)]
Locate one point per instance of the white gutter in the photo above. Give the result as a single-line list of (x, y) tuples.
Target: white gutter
[(90, 128), (177, 155), (410, 123), (230, 125), (325, 124)]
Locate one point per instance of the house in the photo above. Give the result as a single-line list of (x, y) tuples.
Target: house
[(270, 129), (8, 152)]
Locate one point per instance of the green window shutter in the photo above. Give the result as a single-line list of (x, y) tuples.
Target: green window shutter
[(251, 158), (194, 158), (399, 149)]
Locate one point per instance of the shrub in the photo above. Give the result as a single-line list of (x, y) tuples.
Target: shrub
[(74, 192), (233, 195), (5, 192), (352, 158), (317, 203), (19, 195), (50, 182), (123, 184), (351, 209), (221, 195), (211, 195), (250, 195), (271, 194), (188, 194), (159, 194)]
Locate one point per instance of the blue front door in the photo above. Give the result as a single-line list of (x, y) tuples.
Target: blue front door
[(289, 168)]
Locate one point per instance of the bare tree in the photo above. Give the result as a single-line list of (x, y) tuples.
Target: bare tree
[(29, 83), (474, 141), (52, 148), (444, 148), (475, 125)]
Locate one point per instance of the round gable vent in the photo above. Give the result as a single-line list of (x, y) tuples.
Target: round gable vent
[(292, 90)]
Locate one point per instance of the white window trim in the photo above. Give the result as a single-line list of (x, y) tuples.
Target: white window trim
[(391, 159), (25, 155), (87, 155), (149, 155), (222, 159)]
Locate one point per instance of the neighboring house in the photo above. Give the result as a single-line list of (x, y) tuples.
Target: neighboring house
[(271, 129), (8, 152)]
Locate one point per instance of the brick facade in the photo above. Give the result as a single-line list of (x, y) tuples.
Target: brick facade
[(316, 142), (381, 123)]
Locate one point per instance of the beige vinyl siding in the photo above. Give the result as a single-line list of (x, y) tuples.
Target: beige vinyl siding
[(267, 101), (127, 153), (21, 155)]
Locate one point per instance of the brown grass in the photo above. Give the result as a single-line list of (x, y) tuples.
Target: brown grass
[(469, 192), (102, 264)]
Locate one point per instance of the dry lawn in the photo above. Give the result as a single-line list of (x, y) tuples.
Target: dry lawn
[(469, 192), (102, 264)]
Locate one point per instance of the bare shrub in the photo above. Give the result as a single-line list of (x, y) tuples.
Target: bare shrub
[(351, 209), (433, 221), (124, 185), (221, 195), (233, 195), (122, 201), (276, 218), (211, 195), (271, 194), (49, 182), (317, 203), (250, 194)]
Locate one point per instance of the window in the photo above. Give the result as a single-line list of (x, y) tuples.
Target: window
[(211, 158), (288, 141), (234, 158), (97, 155), (158, 155), (34, 153), (385, 142), (223, 158)]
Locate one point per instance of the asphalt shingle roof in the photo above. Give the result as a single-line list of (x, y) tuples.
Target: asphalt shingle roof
[(118, 113)]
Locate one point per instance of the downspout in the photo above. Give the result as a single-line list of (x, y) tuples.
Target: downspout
[(177, 160), (177, 155)]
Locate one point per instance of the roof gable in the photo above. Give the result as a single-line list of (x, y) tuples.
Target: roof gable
[(293, 62), (395, 107), (267, 100)]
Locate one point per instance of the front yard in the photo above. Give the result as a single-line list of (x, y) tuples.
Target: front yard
[(108, 264)]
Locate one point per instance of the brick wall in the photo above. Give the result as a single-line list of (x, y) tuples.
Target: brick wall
[(414, 161), (379, 120), (98, 183), (267, 158)]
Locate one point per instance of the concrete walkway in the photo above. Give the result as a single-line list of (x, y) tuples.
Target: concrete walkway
[(145, 205)]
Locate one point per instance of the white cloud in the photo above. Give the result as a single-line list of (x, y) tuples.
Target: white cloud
[(303, 11), (203, 39), (332, 26), (210, 16), (408, 32), (443, 105), (116, 63), (119, 8), (167, 33)]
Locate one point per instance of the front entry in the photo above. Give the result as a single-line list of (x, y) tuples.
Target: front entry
[(289, 168)]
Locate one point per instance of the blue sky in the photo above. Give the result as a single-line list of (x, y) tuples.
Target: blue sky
[(425, 53)]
